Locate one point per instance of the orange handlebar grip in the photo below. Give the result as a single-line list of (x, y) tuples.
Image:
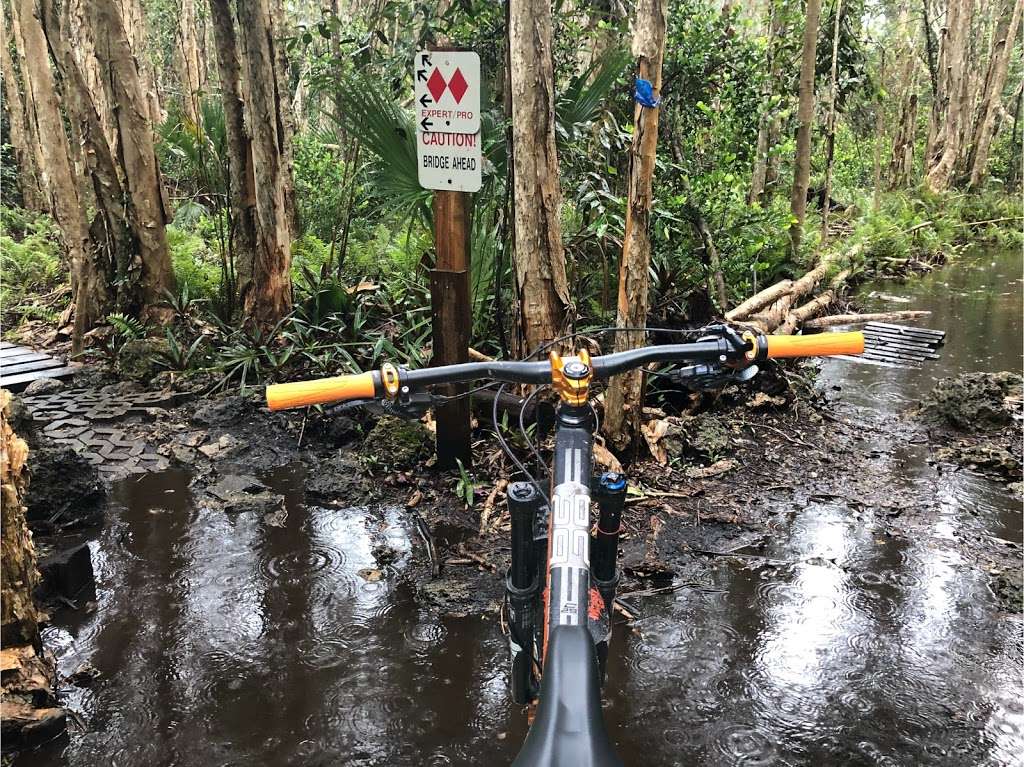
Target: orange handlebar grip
[(321, 391), (817, 345)]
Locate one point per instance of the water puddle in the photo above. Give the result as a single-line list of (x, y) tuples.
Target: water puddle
[(223, 639)]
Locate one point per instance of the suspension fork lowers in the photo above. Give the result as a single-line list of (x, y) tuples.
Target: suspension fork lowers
[(604, 552), (521, 588)]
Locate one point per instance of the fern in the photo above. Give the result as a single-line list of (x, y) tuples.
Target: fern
[(126, 328)]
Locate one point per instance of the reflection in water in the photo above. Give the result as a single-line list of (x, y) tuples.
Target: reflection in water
[(224, 640)]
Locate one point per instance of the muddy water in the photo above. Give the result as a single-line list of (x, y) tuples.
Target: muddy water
[(225, 640)]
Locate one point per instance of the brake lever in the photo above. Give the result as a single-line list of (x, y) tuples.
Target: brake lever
[(706, 376), (410, 407)]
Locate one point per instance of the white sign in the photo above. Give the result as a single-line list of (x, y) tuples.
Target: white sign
[(449, 161), (447, 91), (448, 151)]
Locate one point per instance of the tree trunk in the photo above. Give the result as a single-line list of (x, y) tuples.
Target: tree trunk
[(113, 243), (133, 21), (151, 274), (991, 100), (286, 117), (805, 122), (762, 150), (30, 713), (876, 146), (901, 165), (268, 296), (65, 203), (35, 143), (624, 401), (948, 107), (541, 284), (712, 262), (191, 71), (32, 196), (19, 618), (830, 136), (242, 184)]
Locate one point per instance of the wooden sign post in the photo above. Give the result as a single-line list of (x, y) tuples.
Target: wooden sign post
[(452, 314)]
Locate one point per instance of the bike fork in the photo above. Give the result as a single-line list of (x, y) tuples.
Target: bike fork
[(604, 552), (522, 585)]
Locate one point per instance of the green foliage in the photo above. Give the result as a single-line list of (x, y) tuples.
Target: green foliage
[(179, 355), (385, 129), (321, 183), (465, 487), (195, 264), (922, 227), (30, 265), (309, 252), (194, 154), (126, 328)]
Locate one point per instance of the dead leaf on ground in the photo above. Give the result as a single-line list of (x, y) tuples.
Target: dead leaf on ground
[(762, 400), (362, 287), (605, 459), (653, 432), (718, 467)]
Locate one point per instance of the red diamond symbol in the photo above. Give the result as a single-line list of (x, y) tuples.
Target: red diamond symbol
[(458, 85), (436, 85)]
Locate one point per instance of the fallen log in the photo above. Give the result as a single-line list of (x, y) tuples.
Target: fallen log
[(802, 313), (860, 319), (509, 405), (759, 300)]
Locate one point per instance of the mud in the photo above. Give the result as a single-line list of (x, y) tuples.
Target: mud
[(976, 422)]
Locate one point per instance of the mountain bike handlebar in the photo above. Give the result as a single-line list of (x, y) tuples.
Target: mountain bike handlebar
[(728, 347)]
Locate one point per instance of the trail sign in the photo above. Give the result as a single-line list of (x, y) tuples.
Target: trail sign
[(449, 161), (448, 152), (447, 91)]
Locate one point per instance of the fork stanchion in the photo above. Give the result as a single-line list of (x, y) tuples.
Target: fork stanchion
[(521, 587), (611, 499)]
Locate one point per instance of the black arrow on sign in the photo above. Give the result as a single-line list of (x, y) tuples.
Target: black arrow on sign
[(425, 60), (421, 74), (426, 123), (425, 100)]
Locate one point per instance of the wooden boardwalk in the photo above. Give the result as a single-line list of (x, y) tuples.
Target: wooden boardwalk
[(20, 366)]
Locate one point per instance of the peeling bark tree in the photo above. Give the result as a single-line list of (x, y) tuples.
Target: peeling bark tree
[(901, 165), (242, 192), (805, 122), (991, 99), (623, 405), (19, 618), (268, 295), (149, 274), (188, 61), (112, 243), (31, 123), (30, 714), (65, 202), (541, 284), (32, 196), (948, 107)]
